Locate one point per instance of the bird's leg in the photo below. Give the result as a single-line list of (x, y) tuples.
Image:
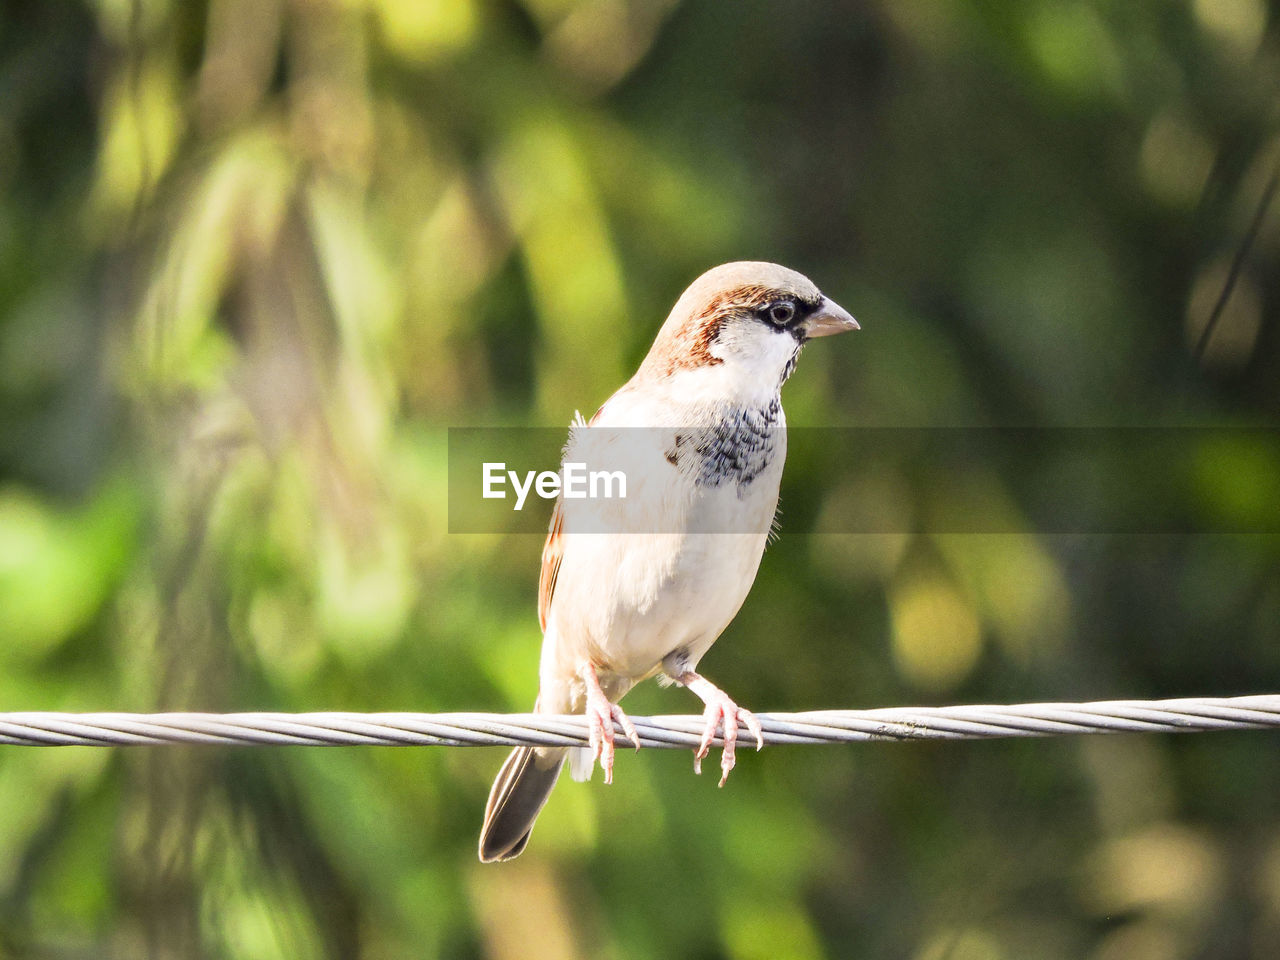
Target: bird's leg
[(720, 710), (601, 713)]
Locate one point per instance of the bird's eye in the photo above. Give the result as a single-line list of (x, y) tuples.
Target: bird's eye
[(781, 313)]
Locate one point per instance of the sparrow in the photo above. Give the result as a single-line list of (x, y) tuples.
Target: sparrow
[(650, 591)]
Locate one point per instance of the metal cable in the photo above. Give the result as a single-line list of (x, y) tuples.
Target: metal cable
[(489, 729)]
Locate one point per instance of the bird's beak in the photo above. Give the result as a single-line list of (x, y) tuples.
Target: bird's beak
[(828, 319)]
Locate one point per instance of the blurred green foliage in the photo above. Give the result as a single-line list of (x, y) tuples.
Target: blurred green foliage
[(256, 256)]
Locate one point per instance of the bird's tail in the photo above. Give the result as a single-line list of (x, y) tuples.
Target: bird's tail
[(518, 795)]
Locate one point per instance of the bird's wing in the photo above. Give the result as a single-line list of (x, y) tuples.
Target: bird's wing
[(552, 554), (553, 550)]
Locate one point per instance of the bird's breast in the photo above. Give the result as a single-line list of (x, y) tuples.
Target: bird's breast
[(737, 448), (667, 568)]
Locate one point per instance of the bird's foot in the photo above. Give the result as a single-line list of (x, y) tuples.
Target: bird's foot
[(721, 712), (601, 714)]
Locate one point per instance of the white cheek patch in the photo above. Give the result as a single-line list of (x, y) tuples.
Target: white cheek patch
[(757, 352)]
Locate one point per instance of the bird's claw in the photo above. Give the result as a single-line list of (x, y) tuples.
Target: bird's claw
[(601, 714), (721, 712)]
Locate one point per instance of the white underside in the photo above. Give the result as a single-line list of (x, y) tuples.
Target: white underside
[(665, 590)]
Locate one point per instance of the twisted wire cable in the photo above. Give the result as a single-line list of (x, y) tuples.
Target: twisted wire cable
[(1190, 715)]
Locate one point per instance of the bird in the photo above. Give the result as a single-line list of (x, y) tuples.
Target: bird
[(642, 586)]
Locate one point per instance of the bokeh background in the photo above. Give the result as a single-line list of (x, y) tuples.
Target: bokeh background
[(256, 256)]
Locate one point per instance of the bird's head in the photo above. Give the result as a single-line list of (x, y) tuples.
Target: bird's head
[(749, 319)]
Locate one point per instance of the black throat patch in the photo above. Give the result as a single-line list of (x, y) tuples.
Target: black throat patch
[(736, 450)]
